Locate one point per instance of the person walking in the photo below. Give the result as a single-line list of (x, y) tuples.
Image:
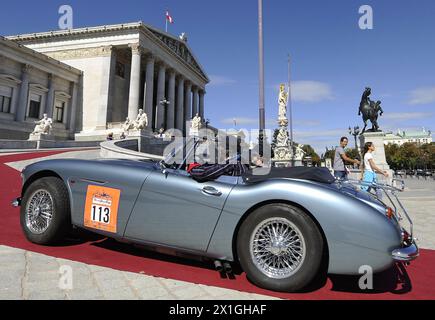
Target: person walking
[(370, 168), (340, 157)]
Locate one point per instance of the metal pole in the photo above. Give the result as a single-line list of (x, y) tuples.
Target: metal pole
[(290, 111), (261, 66)]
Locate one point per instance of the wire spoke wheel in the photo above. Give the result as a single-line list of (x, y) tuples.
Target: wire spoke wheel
[(277, 248), (39, 211)]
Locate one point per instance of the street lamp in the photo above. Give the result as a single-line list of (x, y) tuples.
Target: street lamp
[(355, 133), (261, 107)]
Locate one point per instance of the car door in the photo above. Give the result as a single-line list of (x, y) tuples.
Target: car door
[(174, 210)]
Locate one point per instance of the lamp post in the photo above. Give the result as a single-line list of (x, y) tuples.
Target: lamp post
[(262, 116), (355, 133)]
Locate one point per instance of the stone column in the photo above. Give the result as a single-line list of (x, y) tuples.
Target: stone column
[(201, 104), (170, 120), (133, 99), (195, 108), (149, 91), (50, 97), (73, 109), (161, 96), (20, 115), (180, 104), (187, 105)]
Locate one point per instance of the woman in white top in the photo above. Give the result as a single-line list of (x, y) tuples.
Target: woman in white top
[(370, 168)]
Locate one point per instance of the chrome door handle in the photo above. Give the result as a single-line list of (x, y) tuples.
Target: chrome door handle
[(211, 191)]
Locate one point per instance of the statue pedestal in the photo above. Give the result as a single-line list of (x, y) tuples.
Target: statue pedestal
[(377, 138), (140, 133), (283, 156), (143, 136), (41, 136), (194, 132), (41, 139)]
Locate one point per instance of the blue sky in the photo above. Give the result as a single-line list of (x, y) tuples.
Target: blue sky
[(332, 59)]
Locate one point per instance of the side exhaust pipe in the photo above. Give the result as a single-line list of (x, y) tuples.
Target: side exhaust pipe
[(218, 265)]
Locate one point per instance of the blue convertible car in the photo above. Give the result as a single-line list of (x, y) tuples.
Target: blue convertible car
[(278, 227)]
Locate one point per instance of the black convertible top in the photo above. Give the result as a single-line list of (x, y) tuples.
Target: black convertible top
[(306, 173)]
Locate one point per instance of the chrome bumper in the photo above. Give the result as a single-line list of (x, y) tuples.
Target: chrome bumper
[(16, 203), (405, 254)]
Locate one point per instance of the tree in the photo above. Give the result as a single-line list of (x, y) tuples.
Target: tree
[(352, 153), (410, 156), (309, 152), (330, 153)]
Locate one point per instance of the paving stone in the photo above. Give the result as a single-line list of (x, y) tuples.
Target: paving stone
[(41, 276), (42, 285), (215, 291), (89, 294), (141, 281), (46, 295), (120, 293), (11, 295), (174, 284), (189, 292), (150, 293)]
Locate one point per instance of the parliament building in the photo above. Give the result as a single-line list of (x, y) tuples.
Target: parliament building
[(89, 80)]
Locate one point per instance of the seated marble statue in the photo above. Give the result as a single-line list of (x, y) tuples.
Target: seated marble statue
[(196, 122), (141, 120), (43, 126), (128, 125)]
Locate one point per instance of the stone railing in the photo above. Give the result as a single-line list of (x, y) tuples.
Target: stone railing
[(125, 149)]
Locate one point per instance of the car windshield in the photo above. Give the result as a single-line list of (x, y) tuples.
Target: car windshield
[(178, 156)]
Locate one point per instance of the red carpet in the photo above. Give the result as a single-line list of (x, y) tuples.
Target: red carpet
[(416, 282)]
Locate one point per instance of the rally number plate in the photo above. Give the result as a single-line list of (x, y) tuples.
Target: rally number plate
[(101, 208)]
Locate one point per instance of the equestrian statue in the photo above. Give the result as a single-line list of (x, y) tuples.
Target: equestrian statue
[(370, 110)]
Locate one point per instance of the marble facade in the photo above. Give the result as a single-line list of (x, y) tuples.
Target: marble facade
[(126, 68), (32, 84)]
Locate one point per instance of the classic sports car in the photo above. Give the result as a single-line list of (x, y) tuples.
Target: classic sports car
[(278, 227)]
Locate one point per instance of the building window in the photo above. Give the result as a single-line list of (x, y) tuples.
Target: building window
[(5, 99), (59, 110), (5, 104), (120, 69), (34, 106)]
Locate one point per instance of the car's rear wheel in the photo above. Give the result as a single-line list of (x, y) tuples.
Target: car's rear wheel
[(280, 247), (45, 211)]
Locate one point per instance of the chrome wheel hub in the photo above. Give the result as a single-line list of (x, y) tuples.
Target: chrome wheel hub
[(277, 248), (39, 211)]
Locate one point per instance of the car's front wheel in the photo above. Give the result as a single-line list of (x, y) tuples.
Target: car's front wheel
[(45, 211), (280, 247)]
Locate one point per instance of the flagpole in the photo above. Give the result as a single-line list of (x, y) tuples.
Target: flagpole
[(166, 28)]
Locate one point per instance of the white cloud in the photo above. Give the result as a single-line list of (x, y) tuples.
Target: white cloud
[(216, 80), (311, 91), (403, 116), (423, 95)]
